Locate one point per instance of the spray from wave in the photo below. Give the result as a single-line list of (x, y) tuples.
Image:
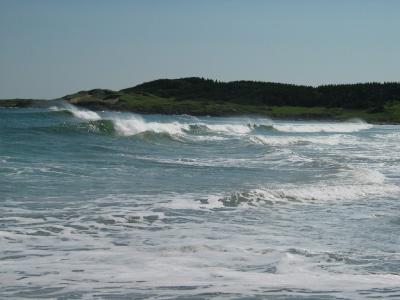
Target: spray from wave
[(134, 125), (80, 113)]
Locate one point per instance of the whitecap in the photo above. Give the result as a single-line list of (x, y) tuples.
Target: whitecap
[(80, 113), (229, 128), (335, 139), (323, 127), (132, 125)]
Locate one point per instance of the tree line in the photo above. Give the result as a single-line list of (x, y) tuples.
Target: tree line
[(372, 95)]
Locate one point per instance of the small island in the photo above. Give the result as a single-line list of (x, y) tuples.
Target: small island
[(373, 102)]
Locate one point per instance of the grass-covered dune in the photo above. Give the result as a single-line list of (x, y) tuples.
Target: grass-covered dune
[(373, 102)]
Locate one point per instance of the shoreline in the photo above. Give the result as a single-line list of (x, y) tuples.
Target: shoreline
[(288, 113), (375, 103)]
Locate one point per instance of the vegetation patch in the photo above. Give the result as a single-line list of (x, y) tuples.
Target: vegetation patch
[(372, 102)]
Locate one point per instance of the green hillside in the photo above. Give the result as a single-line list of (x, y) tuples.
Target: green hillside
[(373, 102)]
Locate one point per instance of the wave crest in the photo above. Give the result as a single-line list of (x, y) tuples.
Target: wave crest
[(135, 125), (350, 185), (80, 113), (308, 193), (256, 131), (353, 126)]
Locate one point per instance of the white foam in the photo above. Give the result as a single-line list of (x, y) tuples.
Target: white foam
[(323, 192), (80, 113), (126, 124), (229, 128), (335, 139), (210, 162), (207, 138), (323, 127), (132, 125), (367, 176), (187, 202), (210, 253), (320, 192), (353, 184)]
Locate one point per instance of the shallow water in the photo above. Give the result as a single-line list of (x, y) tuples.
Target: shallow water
[(121, 206)]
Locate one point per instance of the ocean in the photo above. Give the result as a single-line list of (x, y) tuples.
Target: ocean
[(108, 205)]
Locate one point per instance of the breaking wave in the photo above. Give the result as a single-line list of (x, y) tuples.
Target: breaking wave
[(193, 129), (247, 208), (351, 184), (335, 139), (80, 113), (135, 125), (308, 193), (352, 126)]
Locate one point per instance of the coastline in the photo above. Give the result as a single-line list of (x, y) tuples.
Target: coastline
[(377, 103), (155, 105)]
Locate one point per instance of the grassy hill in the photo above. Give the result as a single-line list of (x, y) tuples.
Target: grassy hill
[(373, 102)]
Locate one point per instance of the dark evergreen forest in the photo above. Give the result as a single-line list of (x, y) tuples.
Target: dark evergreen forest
[(371, 95)]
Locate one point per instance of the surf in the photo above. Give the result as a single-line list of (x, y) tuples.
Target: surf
[(255, 131)]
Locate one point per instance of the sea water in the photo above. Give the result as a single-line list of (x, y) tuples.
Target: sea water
[(111, 205)]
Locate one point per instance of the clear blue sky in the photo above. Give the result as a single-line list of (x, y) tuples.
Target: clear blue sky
[(49, 48)]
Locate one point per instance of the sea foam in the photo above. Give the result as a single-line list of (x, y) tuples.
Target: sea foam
[(128, 124), (324, 127), (134, 124)]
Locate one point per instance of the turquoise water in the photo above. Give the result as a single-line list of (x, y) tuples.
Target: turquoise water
[(120, 206)]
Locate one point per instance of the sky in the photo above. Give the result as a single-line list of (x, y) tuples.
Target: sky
[(50, 48)]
